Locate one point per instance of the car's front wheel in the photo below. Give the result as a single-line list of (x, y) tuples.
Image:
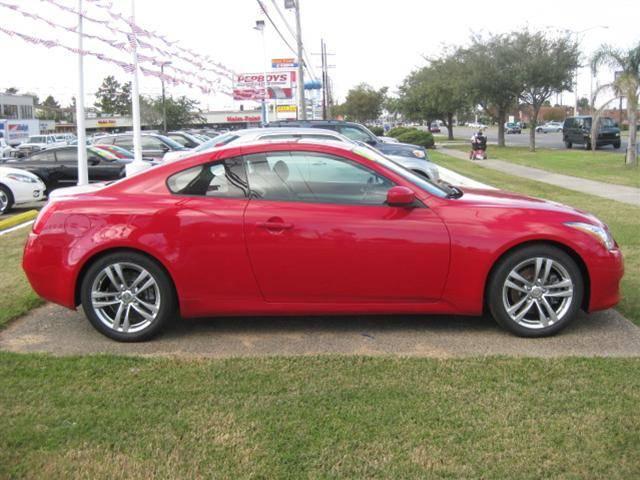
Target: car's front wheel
[(127, 296), (535, 291), (6, 199)]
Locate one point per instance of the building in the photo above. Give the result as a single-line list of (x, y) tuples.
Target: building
[(16, 107)]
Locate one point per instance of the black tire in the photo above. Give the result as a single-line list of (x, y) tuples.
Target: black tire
[(616, 145), (6, 203), (167, 303), (510, 261), (587, 146), (568, 144)]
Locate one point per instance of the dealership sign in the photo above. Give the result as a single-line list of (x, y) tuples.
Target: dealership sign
[(284, 63), (250, 86)]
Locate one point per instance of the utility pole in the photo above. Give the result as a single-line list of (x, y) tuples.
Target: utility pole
[(302, 105), (83, 169), (260, 26), (323, 53), (164, 100)]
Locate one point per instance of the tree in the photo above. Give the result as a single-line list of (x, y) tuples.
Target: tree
[(545, 65), (627, 83), (11, 90), (181, 112), (49, 110), (364, 103), (416, 101), (492, 76), (583, 104), (123, 100), (114, 98)]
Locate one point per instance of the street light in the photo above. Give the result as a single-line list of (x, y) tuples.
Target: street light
[(260, 25), (164, 103)]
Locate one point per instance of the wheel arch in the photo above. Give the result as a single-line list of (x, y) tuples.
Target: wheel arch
[(562, 246), (9, 191), (98, 255)]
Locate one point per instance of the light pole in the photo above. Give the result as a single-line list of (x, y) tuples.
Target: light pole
[(164, 100), (137, 163), (303, 105), (577, 34), (260, 25)]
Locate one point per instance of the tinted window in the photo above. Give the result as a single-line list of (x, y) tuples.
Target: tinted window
[(181, 140), (355, 133), (67, 155), (152, 143), (221, 179), (217, 141), (46, 156), (125, 142), (607, 122), (104, 140), (314, 177), (37, 140)]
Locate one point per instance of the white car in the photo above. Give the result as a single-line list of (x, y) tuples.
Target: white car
[(19, 186), (39, 142), (5, 150)]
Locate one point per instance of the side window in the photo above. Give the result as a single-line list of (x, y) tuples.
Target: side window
[(45, 156), (225, 179), (177, 138), (315, 178), (67, 155), (355, 134), (125, 142), (151, 143)]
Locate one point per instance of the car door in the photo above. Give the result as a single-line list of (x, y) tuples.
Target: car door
[(67, 159), (318, 231), (44, 165), (153, 147), (103, 166)]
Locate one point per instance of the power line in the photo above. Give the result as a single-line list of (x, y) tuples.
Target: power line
[(264, 10)]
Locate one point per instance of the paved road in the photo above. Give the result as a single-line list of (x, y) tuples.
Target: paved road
[(619, 193), (546, 140), (54, 330)]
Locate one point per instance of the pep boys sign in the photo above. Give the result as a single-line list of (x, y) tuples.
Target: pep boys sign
[(250, 86)]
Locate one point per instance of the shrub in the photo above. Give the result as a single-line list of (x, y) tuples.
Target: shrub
[(417, 137), (397, 131), (376, 130)]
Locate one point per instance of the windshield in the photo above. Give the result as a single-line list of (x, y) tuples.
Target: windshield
[(37, 140), (218, 141), (172, 143), (607, 122), (421, 182)]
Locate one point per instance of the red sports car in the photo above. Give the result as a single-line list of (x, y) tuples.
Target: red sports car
[(300, 228)]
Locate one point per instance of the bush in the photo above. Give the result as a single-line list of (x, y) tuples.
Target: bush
[(376, 130), (397, 131), (417, 137)]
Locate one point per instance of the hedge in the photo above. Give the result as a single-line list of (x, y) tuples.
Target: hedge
[(417, 137)]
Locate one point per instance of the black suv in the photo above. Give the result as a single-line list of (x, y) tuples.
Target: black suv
[(358, 133), (577, 130)]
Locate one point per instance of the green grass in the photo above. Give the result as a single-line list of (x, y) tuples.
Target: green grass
[(601, 165), (16, 296), (623, 219), (318, 417)]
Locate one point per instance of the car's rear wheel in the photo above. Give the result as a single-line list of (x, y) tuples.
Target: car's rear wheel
[(127, 296), (568, 144), (616, 145), (6, 199), (535, 291)]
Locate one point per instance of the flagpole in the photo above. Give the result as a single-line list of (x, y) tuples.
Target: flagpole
[(137, 163), (83, 169)]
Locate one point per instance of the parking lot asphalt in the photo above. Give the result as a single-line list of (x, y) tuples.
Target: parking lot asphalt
[(57, 331)]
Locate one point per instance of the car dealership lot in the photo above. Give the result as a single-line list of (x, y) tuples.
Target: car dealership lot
[(55, 330)]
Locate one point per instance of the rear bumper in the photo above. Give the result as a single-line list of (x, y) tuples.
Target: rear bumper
[(605, 275)]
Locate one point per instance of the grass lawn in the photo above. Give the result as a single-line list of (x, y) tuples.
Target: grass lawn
[(602, 165), (16, 296), (318, 417), (623, 219)]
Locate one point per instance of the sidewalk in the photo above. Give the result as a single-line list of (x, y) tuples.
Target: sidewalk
[(610, 191)]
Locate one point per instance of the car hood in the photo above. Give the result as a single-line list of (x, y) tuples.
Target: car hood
[(7, 170), (477, 197)]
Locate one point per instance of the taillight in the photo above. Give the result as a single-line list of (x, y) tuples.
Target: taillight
[(43, 217)]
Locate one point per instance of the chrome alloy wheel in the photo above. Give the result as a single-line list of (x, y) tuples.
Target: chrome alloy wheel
[(537, 293), (4, 201), (125, 297)]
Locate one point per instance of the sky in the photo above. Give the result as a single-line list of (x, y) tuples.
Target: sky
[(377, 42)]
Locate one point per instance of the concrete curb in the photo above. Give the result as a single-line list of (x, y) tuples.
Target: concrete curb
[(18, 219)]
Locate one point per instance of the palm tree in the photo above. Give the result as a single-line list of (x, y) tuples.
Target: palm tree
[(627, 82)]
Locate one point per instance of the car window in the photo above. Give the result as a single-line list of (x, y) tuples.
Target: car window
[(125, 142), (355, 133), (46, 156), (314, 178), (36, 140), (104, 140), (607, 122), (67, 155), (217, 141), (152, 143), (181, 140), (224, 179)]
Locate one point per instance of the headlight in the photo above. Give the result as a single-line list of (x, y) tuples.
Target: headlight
[(600, 233), (617, 134), (21, 178), (418, 153)]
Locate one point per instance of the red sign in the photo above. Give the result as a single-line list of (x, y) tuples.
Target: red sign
[(250, 86), (246, 118)]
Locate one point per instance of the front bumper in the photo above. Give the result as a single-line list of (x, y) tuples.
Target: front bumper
[(605, 275)]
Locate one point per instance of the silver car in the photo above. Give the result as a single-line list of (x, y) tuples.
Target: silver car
[(421, 166)]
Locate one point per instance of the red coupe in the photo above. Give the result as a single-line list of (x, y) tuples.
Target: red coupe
[(307, 228)]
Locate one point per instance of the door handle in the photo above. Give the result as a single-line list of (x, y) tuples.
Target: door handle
[(275, 225)]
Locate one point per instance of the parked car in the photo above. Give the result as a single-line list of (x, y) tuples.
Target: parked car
[(388, 139), (358, 133), (154, 146), (477, 125), (549, 127), (423, 167), (185, 139), (313, 228), (121, 153), (511, 128), (577, 131), (38, 142), (58, 167), (17, 187), (434, 127), (6, 150)]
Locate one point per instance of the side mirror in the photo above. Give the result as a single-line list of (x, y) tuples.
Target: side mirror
[(373, 141), (93, 160), (400, 196)]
